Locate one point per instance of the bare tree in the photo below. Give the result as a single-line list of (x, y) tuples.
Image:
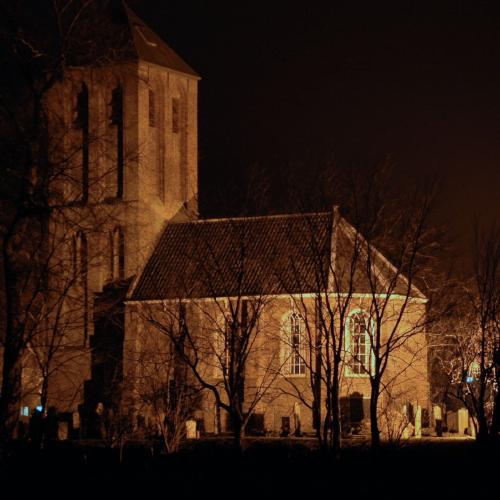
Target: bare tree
[(324, 303), (352, 283), (471, 354), (45, 189), (215, 317), (396, 312), (165, 389)]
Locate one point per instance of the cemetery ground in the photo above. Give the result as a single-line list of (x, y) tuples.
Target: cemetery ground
[(290, 468)]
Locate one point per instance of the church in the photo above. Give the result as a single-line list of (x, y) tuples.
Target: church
[(245, 311)]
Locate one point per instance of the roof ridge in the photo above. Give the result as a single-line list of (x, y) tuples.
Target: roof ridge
[(251, 217)]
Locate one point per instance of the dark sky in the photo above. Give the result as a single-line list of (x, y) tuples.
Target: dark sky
[(347, 81)]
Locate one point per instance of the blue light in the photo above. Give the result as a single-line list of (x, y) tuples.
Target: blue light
[(469, 379), (39, 408)]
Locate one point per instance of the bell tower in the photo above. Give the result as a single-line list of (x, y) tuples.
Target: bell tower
[(126, 116)]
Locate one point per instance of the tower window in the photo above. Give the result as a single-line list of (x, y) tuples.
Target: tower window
[(80, 269), (82, 123), (117, 106), (117, 254), (175, 115), (152, 109), (117, 120)]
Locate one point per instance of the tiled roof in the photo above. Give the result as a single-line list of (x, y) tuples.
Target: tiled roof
[(283, 254), (232, 257), (151, 48)]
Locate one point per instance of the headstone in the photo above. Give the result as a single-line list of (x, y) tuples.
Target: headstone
[(296, 419), (191, 429), (437, 412), (463, 421), (62, 431), (418, 421), (452, 421), (76, 420)]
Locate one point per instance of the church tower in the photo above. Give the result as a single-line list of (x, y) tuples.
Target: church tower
[(126, 117)]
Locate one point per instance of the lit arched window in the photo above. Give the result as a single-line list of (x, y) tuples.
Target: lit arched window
[(117, 253), (358, 345), (293, 345)]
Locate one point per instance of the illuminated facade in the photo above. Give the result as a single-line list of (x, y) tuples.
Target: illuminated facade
[(125, 132), (135, 246)]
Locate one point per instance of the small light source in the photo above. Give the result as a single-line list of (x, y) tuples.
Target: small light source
[(469, 379), (39, 408), (25, 411)]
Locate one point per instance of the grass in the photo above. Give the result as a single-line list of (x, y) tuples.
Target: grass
[(289, 468)]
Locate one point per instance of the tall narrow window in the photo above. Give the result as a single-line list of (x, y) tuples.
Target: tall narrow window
[(152, 109), (358, 344), (80, 263), (293, 346), (176, 111), (117, 254), (117, 121), (82, 123)]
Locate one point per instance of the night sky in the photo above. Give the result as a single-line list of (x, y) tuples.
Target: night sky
[(286, 83)]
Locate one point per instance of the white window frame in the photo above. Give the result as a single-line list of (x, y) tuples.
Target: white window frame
[(349, 359), (292, 358)]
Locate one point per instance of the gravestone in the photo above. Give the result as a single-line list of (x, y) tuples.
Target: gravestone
[(62, 431), (191, 429), (418, 421), (463, 421)]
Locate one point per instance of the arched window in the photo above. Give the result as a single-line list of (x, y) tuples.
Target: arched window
[(117, 253), (293, 350), (152, 108), (116, 119), (80, 268), (80, 257), (82, 123), (176, 115), (179, 117), (358, 344)]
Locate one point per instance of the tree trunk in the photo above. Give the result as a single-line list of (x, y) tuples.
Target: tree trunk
[(12, 357), (218, 426), (317, 387), (237, 433), (495, 424), (11, 391), (482, 421), (335, 410), (482, 431), (375, 433)]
